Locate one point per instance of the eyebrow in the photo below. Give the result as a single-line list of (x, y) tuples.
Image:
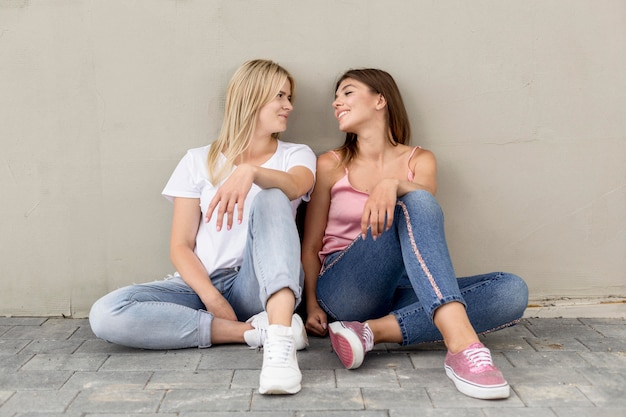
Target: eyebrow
[(344, 87)]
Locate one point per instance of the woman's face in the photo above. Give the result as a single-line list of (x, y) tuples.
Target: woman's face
[(273, 115), (354, 104)]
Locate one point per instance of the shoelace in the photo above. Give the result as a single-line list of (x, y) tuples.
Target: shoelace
[(479, 357), (279, 349), (368, 338)]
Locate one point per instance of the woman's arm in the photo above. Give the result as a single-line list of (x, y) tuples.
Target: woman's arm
[(380, 206), (294, 183), (314, 228), (185, 224)]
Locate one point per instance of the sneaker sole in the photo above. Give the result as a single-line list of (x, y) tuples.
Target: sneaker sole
[(302, 340), (346, 345), (277, 389), (482, 392)]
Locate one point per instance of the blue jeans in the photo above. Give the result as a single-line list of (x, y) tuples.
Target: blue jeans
[(407, 272), (168, 314)]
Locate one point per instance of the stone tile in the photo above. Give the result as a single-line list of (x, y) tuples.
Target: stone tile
[(39, 332), (428, 359), (606, 395), (38, 401), (313, 399), (451, 398), (179, 380), (441, 412), (545, 395), (604, 359), (538, 375), (604, 376), (343, 413), (117, 401), (595, 322), (519, 412), (386, 360), (102, 346), (4, 329), (396, 398), (423, 377), (14, 362), (605, 344), (202, 400), (22, 321), (589, 412), (11, 347), (222, 358), (107, 380), (367, 378), (33, 380), (550, 327), (235, 414), (324, 358), (63, 362), (546, 344), (525, 359), (152, 361), (53, 346), (611, 330), (83, 333), (5, 395)]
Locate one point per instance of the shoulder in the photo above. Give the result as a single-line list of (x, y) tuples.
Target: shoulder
[(421, 156)]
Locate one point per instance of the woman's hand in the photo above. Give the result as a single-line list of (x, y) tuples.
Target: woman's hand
[(216, 304), (379, 208), (316, 322), (231, 194)]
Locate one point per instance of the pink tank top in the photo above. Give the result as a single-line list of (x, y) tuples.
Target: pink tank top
[(344, 214)]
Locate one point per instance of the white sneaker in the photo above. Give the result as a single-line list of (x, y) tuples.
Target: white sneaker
[(280, 373), (255, 337)]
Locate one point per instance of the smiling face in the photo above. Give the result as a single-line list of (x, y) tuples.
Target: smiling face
[(273, 116), (355, 105)]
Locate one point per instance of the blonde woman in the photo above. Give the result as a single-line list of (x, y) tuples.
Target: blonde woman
[(234, 241)]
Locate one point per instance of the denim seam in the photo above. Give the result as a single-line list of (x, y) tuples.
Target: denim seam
[(417, 253)]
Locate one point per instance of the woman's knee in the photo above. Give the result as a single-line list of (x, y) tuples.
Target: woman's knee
[(420, 201)]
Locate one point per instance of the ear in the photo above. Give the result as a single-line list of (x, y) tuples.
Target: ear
[(381, 103)]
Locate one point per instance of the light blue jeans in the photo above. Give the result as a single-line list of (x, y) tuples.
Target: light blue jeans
[(407, 272), (168, 314)]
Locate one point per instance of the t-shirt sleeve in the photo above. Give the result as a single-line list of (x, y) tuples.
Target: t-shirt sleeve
[(302, 155), (184, 181)]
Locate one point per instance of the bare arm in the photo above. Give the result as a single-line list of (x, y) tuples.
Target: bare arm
[(294, 183), (185, 223), (314, 228)]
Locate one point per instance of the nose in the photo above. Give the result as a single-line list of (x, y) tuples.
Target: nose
[(336, 103), (287, 105)]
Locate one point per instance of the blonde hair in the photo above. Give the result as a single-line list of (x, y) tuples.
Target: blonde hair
[(254, 84)]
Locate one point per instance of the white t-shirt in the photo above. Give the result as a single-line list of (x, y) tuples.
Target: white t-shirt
[(190, 179)]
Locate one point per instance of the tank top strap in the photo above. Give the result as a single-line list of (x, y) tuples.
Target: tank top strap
[(411, 174), (339, 159)]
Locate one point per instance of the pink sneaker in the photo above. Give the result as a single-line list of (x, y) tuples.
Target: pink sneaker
[(474, 373), (351, 340)]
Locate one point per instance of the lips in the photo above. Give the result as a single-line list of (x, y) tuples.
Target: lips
[(340, 114)]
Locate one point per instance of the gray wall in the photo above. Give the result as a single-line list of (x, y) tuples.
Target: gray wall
[(523, 102)]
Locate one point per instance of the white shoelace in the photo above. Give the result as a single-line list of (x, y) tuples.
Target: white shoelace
[(479, 357), (279, 349)]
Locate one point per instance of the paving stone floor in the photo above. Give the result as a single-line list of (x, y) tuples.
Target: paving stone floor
[(565, 367)]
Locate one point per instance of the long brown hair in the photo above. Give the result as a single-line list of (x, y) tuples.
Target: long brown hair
[(380, 82), (253, 85)]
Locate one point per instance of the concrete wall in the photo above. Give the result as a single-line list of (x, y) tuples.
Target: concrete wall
[(522, 101)]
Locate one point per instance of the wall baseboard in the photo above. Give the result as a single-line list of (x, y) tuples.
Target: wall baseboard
[(577, 308)]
